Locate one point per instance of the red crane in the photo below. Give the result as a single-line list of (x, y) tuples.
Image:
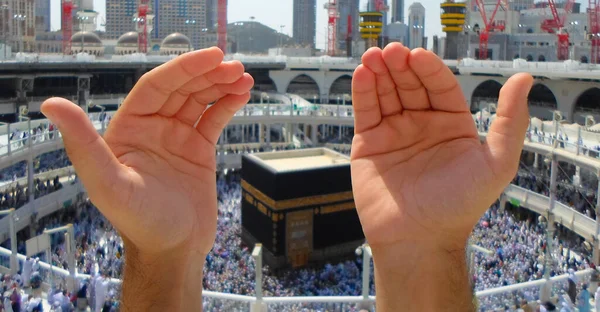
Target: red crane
[(67, 25), (222, 25), (143, 26), (594, 30), (489, 26), (333, 16), (349, 37), (380, 6), (555, 26)]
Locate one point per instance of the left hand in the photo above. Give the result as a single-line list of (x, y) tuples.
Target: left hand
[(153, 173)]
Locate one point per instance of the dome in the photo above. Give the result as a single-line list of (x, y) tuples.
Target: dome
[(128, 38), (86, 37), (176, 39)]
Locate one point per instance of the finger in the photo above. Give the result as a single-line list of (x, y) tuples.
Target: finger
[(386, 88), (216, 117), (93, 160), (155, 87), (226, 72), (507, 133), (196, 103), (443, 89), (411, 92), (367, 113)]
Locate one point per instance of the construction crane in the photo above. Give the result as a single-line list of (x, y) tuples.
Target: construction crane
[(594, 30), (555, 26), (332, 19), (349, 37), (143, 26), (489, 25), (222, 25), (380, 6), (67, 25)]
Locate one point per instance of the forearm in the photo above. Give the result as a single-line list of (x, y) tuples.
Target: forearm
[(166, 282), (411, 277)]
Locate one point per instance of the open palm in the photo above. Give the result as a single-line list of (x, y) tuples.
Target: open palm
[(156, 164), (418, 166)]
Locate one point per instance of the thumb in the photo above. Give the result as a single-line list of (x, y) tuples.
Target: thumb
[(506, 136), (94, 162)]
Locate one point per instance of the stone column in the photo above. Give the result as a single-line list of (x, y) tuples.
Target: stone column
[(261, 134), (546, 291), (22, 86), (83, 92)]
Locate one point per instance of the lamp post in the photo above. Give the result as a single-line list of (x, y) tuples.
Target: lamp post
[(102, 109), (190, 23), (70, 244), (14, 265), (81, 20), (251, 33), (281, 39), (20, 18), (365, 251)]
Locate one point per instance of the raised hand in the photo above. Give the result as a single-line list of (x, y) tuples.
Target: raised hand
[(421, 176), (153, 175)]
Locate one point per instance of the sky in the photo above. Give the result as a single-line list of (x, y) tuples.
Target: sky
[(275, 13)]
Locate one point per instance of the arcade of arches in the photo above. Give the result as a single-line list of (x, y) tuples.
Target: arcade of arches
[(541, 97), (341, 86), (306, 87), (486, 92), (588, 103)]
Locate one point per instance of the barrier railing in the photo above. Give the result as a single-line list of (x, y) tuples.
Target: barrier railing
[(215, 301)]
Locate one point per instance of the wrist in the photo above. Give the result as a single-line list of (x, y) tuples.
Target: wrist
[(169, 281), (422, 276)]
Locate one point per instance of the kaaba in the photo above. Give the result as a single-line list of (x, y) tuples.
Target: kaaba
[(299, 205)]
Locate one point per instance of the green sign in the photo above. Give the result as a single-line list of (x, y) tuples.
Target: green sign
[(67, 203), (515, 202)]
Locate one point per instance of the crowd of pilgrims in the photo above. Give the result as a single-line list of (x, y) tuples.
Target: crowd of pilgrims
[(516, 237)]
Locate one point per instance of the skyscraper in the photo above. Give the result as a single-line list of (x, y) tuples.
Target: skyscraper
[(119, 17), (184, 16), (347, 8), (416, 25), (170, 16), (305, 22), (397, 11), (42, 15), (212, 14), (21, 25), (371, 7)]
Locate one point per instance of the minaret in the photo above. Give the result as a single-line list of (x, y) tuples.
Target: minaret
[(86, 16)]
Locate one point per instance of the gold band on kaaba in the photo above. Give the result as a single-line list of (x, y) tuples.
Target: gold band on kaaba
[(297, 202)]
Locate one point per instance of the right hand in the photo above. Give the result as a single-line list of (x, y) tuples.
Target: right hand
[(419, 171), (153, 173)]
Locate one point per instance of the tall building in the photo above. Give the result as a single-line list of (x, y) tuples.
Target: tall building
[(347, 8), (212, 14), (19, 24), (170, 16), (416, 25), (397, 11), (42, 15), (119, 17), (305, 22), (371, 6), (453, 15), (183, 16)]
